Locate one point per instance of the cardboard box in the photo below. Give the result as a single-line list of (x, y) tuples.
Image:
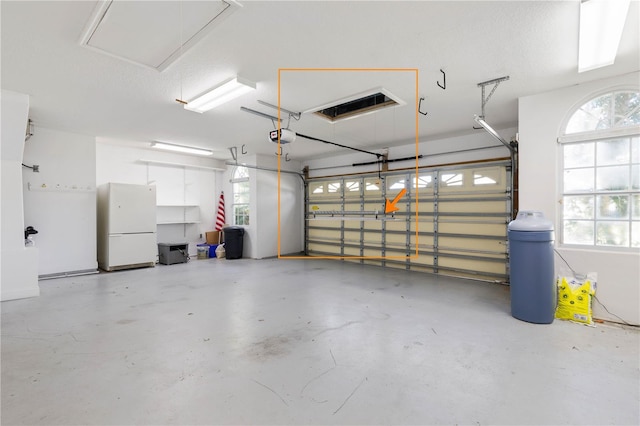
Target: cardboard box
[(212, 237)]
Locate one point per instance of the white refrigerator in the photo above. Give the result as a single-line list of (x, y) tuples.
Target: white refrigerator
[(126, 226)]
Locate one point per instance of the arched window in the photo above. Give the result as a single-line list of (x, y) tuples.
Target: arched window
[(601, 172), (241, 196)]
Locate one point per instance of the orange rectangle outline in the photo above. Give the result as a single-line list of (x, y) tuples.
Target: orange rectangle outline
[(413, 256)]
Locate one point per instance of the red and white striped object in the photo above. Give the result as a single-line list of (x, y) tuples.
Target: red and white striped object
[(220, 215)]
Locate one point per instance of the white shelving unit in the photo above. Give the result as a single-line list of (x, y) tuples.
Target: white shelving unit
[(178, 214), (177, 223)]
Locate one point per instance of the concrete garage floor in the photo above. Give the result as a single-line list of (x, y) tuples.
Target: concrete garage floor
[(303, 342)]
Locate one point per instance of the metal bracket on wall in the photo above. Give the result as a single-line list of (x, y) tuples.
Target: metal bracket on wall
[(484, 99), (234, 153)]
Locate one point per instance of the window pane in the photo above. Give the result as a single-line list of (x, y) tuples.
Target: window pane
[(486, 176), (241, 214), (612, 234), (612, 206), (627, 108), (578, 180), (612, 152), (241, 192), (635, 150), (316, 188), (577, 232), (352, 186), (241, 172), (612, 178), (242, 198), (579, 155), (635, 177), (424, 181), (635, 234), (580, 207), (451, 179), (333, 187), (635, 207), (395, 183), (594, 115), (372, 185)]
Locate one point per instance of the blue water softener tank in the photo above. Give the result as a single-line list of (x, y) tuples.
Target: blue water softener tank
[(531, 270)]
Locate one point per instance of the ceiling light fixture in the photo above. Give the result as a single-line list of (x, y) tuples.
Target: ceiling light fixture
[(181, 148), (601, 25), (224, 92)]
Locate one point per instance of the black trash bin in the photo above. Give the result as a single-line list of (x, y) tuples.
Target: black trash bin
[(233, 239)]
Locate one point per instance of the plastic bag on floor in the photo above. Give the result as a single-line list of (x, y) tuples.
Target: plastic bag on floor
[(221, 252), (575, 296)]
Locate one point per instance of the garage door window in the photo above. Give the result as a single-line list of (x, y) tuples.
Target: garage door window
[(601, 173)]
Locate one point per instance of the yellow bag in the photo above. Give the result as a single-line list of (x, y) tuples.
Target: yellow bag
[(574, 299)]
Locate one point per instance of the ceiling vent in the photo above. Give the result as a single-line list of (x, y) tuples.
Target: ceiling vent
[(153, 34), (357, 105)]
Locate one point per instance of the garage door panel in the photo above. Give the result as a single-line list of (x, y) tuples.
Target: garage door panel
[(423, 206), (351, 251), (372, 238), (393, 225), (461, 219), (324, 234), (352, 237), (480, 206), (422, 259), (396, 239), (372, 225), (471, 244), (422, 226), (473, 229), (321, 249), (471, 265)]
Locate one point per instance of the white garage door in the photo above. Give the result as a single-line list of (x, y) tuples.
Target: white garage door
[(460, 228)]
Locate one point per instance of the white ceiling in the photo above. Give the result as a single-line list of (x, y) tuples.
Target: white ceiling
[(80, 90)]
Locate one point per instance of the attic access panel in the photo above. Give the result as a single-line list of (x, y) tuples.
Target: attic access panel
[(357, 105), (150, 33)]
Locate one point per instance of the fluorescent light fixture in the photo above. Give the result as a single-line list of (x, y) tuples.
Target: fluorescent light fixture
[(601, 25), (181, 148), (492, 132), (224, 92)]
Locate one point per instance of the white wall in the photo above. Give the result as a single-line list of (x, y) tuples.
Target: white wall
[(19, 274), (261, 236), (182, 182), (60, 200), (541, 118), (291, 208)]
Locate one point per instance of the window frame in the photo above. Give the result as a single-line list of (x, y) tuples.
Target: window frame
[(629, 132), (235, 205)]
